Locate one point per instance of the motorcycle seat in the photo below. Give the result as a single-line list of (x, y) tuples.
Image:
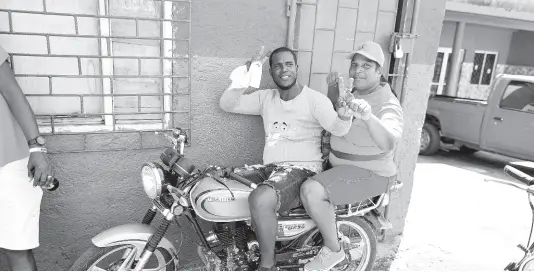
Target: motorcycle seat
[(300, 211)]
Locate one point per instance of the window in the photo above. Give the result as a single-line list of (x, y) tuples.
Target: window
[(442, 69), (483, 67), (93, 66), (518, 96)]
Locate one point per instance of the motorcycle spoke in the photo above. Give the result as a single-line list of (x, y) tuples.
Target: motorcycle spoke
[(353, 255)]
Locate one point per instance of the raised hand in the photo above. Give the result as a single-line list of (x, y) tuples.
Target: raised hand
[(260, 57), (345, 92), (361, 109), (333, 79), (345, 96), (249, 75)]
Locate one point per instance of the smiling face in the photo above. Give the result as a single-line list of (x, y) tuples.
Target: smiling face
[(366, 73), (284, 70)]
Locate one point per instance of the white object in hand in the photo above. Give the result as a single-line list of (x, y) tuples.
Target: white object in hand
[(241, 78), (255, 74)]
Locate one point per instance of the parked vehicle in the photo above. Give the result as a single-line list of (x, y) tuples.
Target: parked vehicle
[(503, 124), (220, 197), (526, 184)]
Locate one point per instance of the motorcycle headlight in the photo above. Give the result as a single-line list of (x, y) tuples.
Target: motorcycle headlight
[(152, 178)]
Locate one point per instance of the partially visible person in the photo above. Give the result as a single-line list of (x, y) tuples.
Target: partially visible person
[(362, 160), (293, 117), (24, 167)]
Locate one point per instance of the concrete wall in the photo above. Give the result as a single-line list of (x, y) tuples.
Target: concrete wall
[(101, 189), (521, 50), (328, 30), (416, 98), (479, 37)]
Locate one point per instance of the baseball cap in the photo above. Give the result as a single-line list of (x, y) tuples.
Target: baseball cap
[(370, 50)]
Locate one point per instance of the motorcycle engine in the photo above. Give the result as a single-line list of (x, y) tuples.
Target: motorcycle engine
[(233, 238)]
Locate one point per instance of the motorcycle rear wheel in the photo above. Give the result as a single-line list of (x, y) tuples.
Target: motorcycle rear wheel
[(365, 239), (90, 259)]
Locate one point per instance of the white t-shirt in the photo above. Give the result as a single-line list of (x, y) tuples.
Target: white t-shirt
[(292, 128)]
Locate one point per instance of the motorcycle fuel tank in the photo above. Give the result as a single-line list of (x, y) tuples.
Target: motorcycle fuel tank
[(213, 201)]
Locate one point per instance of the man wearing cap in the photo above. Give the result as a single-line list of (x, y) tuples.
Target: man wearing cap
[(24, 167), (362, 160)]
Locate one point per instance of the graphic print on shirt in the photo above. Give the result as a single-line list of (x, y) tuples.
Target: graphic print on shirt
[(279, 130)]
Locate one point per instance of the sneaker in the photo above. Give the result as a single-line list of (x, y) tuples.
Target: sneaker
[(325, 260)]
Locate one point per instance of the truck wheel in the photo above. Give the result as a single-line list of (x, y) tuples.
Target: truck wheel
[(430, 140)]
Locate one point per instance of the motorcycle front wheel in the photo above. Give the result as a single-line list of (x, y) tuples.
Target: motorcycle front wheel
[(111, 258), (357, 238)]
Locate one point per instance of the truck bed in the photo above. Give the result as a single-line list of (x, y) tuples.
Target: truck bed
[(460, 118)]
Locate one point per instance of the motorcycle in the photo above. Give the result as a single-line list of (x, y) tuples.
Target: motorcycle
[(526, 184), (219, 196)]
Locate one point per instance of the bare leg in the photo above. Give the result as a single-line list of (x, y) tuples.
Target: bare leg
[(314, 198), (262, 202), (20, 260)]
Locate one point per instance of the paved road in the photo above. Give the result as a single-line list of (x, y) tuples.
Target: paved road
[(457, 221)]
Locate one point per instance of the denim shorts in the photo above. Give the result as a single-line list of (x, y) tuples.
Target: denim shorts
[(347, 184), (284, 179)]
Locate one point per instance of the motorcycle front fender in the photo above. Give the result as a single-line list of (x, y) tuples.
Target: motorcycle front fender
[(126, 234)]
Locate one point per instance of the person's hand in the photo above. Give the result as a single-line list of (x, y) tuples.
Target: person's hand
[(332, 80), (249, 75), (361, 109), (42, 169), (345, 92), (345, 96), (260, 58)]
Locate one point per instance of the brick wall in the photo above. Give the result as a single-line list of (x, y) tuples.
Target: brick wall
[(55, 64)]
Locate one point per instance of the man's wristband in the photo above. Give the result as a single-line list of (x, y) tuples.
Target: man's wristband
[(38, 149)]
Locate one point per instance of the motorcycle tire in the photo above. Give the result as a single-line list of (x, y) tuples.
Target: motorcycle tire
[(94, 253), (371, 235)]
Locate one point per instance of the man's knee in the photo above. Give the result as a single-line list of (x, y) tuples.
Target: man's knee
[(312, 190), (263, 198)]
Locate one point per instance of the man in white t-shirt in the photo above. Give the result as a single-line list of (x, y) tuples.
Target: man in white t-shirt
[(293, 118), (21, 153)]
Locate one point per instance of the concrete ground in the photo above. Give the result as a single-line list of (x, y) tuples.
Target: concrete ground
[(457, 221)]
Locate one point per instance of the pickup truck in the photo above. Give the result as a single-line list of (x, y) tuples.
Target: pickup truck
[(503, 124)]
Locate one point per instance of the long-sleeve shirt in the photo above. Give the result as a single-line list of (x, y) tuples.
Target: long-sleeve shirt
[(292, 128)]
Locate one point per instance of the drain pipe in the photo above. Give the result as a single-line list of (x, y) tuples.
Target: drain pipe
[(413, 28), (291, 12)]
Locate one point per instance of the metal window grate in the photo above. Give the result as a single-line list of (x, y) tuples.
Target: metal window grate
[(117, 66), (483, 68), (477, 68), (438, 67), (487, 73)]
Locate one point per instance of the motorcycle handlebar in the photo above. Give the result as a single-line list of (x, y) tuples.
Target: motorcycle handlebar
[(509, 183), (243, 180), (519, 175)]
